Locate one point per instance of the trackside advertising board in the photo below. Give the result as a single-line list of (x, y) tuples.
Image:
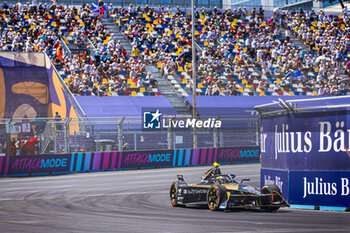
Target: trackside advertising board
[(322, 188), (311, 152), (103, 161), (162, 158), (34, 164), (312, 141)]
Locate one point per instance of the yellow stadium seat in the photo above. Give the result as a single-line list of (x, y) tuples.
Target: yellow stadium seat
[(32, 26), (96, 84), (180, 49), (155, 22), (148, 19), (77, 17), (291, 93), (160, 65), (189, 13), (262, 93), (130, 81), (133, 93), (196, 33), (240, 89), (206, 43), (223, 88), (184, 81), (177, 35), (109, 94), (180, 68), (133, 85), (171, 16), (148, 25), (236, 47), (314, 93), (26, 17), (279, 81), (201, 16), (177, 53), (244, 81), (245, 50), (104, 80), (263, 24), (142, 89), (200, 85), (144, 15), (170, 32), (82, 24)]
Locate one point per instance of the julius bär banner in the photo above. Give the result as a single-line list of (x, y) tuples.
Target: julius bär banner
[(309, 141), (323, 188)]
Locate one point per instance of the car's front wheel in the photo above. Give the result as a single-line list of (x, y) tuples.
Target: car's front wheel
[(174, 194), (215, 196), (273, 190)]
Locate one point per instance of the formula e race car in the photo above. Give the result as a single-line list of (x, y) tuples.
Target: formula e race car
[(221, 191)]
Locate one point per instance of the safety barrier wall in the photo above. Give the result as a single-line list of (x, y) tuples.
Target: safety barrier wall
[(308, 156), (105, 161)]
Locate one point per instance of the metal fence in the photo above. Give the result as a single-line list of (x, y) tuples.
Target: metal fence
[(56, 135)]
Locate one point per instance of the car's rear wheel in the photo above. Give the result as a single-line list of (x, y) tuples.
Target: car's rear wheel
[(174, 194), (271, 189), (215, 196)]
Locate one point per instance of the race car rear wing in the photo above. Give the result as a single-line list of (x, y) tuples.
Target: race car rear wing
[(181, 179)]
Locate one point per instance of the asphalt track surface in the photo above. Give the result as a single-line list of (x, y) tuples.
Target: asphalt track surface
[(138, 201)]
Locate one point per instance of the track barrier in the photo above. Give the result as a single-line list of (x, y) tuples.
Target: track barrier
[(109, 161), (305, 150)]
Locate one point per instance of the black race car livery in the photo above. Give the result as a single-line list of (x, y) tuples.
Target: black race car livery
[(221, 191)]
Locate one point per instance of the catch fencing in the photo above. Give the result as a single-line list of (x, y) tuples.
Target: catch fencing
[(70, 135)]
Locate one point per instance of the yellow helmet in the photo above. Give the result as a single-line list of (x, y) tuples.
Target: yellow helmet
[(216, 164)]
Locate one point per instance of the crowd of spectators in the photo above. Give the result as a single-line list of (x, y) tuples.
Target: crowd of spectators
[(103, 69), (240, 52), (244, 53)]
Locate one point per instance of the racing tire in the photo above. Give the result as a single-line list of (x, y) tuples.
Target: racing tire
[(215, 196), (272, 188), (174, 189)]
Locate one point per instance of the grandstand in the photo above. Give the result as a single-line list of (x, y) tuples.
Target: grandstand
[(240, 52), (139, 51)]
